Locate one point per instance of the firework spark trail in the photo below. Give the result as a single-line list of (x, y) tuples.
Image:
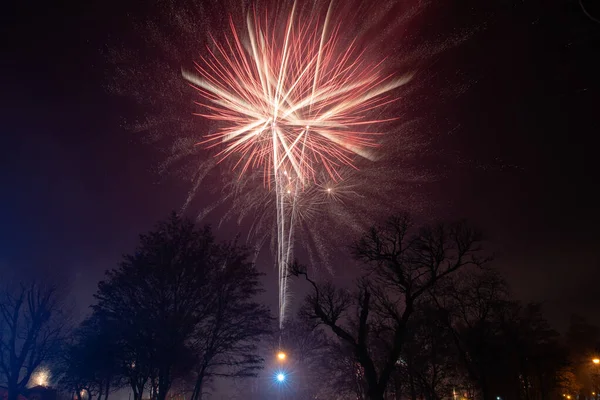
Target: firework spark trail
[(291, 105)]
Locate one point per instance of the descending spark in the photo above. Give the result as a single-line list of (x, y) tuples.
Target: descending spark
[(291, 103)]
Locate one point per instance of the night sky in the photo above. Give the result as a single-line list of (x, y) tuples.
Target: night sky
[(517, 147)]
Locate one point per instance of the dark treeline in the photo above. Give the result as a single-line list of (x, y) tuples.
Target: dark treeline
[(172, 316), (430, 319), (427, 318)]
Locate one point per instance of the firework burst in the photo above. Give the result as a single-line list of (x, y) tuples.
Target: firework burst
[(327, 211), (291, 100), (293, 104)]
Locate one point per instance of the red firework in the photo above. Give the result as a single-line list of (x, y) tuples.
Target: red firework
[(291, 99)]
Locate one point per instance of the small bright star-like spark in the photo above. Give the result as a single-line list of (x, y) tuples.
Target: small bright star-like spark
[(280, 377)]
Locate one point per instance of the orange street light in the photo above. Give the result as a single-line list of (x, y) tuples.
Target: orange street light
[(596, 360), (281, 356)]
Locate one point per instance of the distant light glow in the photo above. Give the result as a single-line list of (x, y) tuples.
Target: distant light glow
[(281, 356), (41, 377), (280, 377)]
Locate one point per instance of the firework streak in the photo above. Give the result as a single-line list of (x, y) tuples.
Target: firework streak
[(293, 104)]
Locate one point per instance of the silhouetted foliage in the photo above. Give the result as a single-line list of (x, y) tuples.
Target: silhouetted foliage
[(224, 342), (428, 365), (91, 362), (183, 303), (506, 349), (473, 306), (422, 323), (533, 351)]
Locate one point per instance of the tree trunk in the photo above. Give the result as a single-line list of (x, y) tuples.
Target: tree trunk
[(107, 389), (200, 391), (370, 374), (543, 386), (527, 387), (197, 393), (397, 389), (138, 389), (375, 394), (413, 392), (485, 391), (163, 388), (13, 391)]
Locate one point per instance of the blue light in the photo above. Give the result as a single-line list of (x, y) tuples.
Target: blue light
[(280, 377)]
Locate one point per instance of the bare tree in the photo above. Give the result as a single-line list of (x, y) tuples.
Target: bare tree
[(31, 327), (402, 265)]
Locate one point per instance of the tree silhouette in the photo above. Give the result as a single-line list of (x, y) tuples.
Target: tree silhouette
[(225, 341), (183, 302), (402, 265), (31, 329), (534, 354), (428, 365), (91, 362), (473, 305), (507, 349)]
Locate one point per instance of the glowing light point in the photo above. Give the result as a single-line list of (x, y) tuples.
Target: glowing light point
[(280, 377), (42, 378), (329, 190), (596, 360), (281, 356)]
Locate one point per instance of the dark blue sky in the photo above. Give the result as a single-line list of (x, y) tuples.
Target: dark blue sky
[(76, 188)]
